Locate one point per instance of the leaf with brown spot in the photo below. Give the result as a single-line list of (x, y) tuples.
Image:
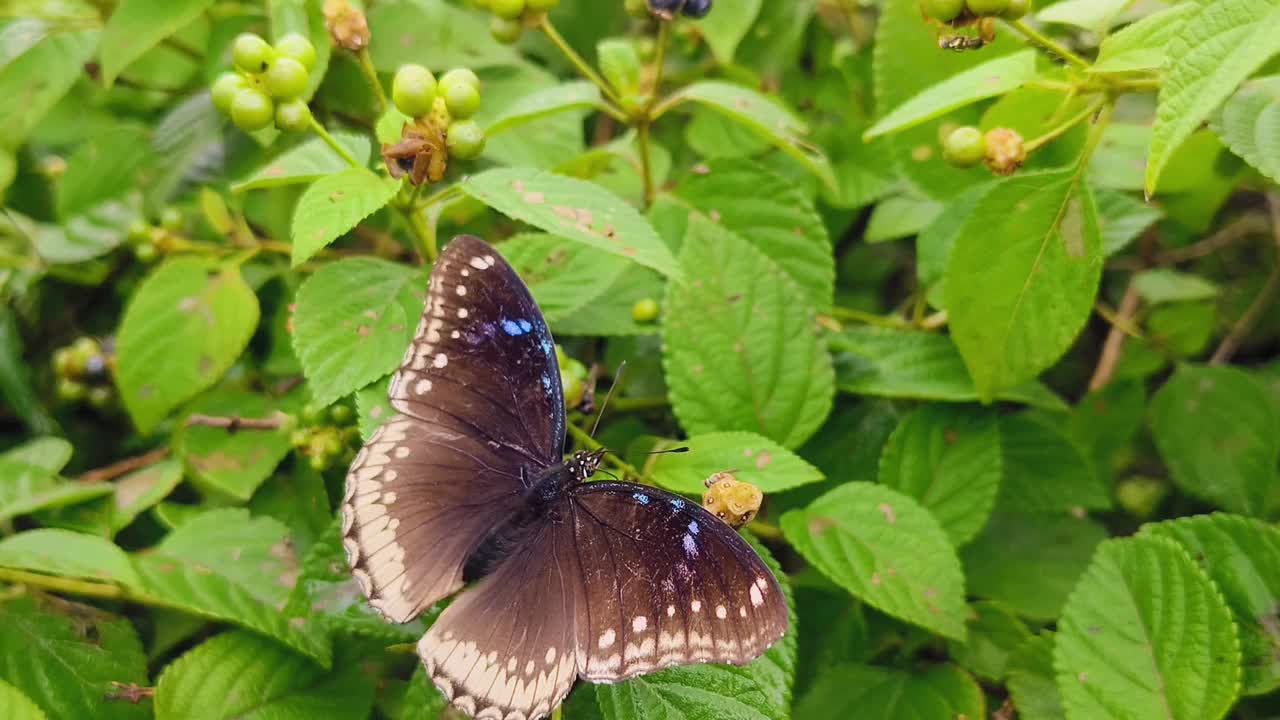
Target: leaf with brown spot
[(335, 204), (234, 464), (710, 453)]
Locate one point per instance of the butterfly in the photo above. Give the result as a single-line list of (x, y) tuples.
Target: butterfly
[(467, 481)]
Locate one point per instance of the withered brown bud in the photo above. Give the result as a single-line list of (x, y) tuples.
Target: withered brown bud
[(730, 499), (346, 24), (1005, 151), (421, 153)]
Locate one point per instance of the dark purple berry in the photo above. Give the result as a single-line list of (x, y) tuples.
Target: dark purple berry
[(696, 8)]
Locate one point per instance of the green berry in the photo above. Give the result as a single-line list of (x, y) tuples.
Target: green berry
[(1017, 9), (171, 219), (83, 350), (341, 414), (70, 390), (965, 146), (646, 48), (465, 139), (252, 110), (572, 390), (225, 88), (146, 253), (286, 79), (63, 362), (293, 116), (509, 9), (413, 90), (314, 413), (461, 99), (944, 10), (351, 436), (461, 75), (297, 47), (505, 31), (562, 358), (541, 5), (299, 438), (100, 397), (983, 8), (636, 8), (139, 230), (319, 463), (645, 310), (251, 53)]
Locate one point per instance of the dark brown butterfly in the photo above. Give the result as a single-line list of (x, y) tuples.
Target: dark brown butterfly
[(594, 580)]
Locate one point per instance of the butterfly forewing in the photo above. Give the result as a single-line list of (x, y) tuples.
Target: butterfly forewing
[(482, 361), (665, 583)]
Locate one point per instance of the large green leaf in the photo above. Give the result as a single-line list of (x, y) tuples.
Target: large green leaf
[(750, 457), (917, 365), (947, 457), (1219, 436), (1030, 562), (876, 693), (575, 95), (1095, 15), (1244, 33), (563, 276), (1044, 471), (1142, 45), (242, 675), (739, 348), (41, 76), (224, 565), (572, 209), (354, 318), (1242, 557), (1031, 680), (185, 325), (610, 313), (1022, 277), (306, 163), (140, 490), (990, 79), (29, 480), (435, 33), (887, 550), (1249, 124), (234, 462), (136, 26), (768, 211), (993, 633), (62, 552), (17, 706), (103, 167), (64, 657), (1146, 635), (335, 204)]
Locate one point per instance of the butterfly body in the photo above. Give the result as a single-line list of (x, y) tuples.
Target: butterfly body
[(573, 579)]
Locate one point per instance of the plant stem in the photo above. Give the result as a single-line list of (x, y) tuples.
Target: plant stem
[(646, 164), (1055, 133), (371, 77), (319, 129), (1048, 43), (128, 465), (762, 529), (1114, 343), (544, 24), (232, 423), (424, 234), (660, 59), (866, 318), (591, 443), (1235, 338)]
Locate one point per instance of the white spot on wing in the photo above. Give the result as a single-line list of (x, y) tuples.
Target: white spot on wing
[(606, 639), (440, 360), (639, 623), (551, 655), (462, 290), (756, 598), (696, 606), (721, 612)]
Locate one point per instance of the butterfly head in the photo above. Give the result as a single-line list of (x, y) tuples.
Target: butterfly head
[(584, 464)]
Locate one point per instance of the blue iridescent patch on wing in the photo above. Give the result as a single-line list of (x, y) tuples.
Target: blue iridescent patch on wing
[(693, 527), (641, 498), (677, 504), (515, 328), (546, 382)]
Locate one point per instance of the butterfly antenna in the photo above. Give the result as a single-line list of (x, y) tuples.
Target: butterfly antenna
[(617, 380), (681, 449)]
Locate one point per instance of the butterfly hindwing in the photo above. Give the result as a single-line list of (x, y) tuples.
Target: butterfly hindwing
[(665, 583)]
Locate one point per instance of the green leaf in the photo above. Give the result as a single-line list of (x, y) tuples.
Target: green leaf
[(947, 457), (759, 690), (223, 565), (875, 693), (141, 489), (64, 656), (1202, 74), (422, 701), (917, 365), (41, 76), (1030, 563), (28, 486), (297, 497), (609, 313), (750, 457), (90, 234), (18, 706), (990, 79), (334, 205), (572, 209), (103, 167), (374, 406), (1249, 124), (241, 675), (1031, 680), (764, 116), (994, 633), (1095, 15), (575, 95), (435, 33), (354, 318), (234, 463), (1141, 46), (769, 212), (1242, 557), (1166, 286), (192, 317), (727, 25), (1122, 218), (899, 216), (885, 549), (136, 26), (62, 552), (1147, 632), (49, 454), (1220, 437), (308, 162), (1044, 471), (740, 351), (1022, 277), (16, 387), (563, 276)]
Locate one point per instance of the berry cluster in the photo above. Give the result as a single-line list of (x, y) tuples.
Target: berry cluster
[(328, 433), (573, 378), (442, 128), (81, 370), (965, 11), (148, 240), (267, 84), (1001, 149), (668, 8), (511, 17)]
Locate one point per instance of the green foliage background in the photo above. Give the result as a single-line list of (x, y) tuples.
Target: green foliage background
[(1018, 435)]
